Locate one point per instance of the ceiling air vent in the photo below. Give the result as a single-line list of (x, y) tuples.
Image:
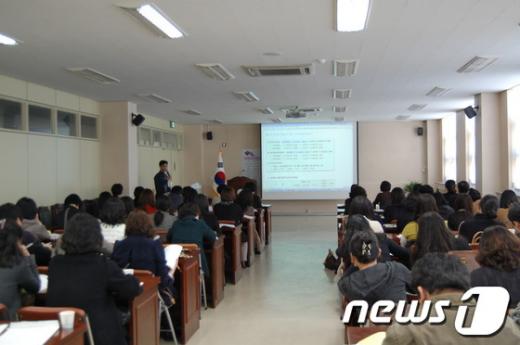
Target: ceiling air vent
[(341, 93), (192, 112), (417, 107), (215, 71), (277, 120), (477, 64), (247, 96), (339, 119), (263, 71), (345, 68), (438, 92), (153, 97), (402, 117), (93, 75), (216, 122)]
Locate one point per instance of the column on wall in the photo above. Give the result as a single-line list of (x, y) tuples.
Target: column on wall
[(119, 161), (462, 173), (434, 153), (491, 137)]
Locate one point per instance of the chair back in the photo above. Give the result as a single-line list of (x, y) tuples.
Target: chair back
[(467, 257), (4, 316), (43, 269), (55, 210), (476, 237), (50, 313), (45, 216), (143, 273), (162, 233)]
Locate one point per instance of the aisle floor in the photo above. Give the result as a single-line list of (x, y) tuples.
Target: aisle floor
[(286, 297)]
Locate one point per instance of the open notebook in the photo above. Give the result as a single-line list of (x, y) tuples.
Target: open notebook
[(29, 332)]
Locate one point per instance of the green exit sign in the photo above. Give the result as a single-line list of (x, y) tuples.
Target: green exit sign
[(172, 124)]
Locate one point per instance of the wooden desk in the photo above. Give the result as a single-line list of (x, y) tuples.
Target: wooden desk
[(249, 225), (187, 307), (355, 334), (268, 224), (162, 233), (73, 337), (217, 279), (144, 324), (233, 264)]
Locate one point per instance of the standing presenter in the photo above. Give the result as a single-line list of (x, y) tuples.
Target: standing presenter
[(163, 179)]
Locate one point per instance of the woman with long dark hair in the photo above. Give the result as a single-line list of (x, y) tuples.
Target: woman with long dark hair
[(17, 268), (507, 199), (434, 237)]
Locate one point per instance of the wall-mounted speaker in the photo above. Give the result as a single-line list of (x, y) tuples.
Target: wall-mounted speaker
[(470, 112), (137, 119), (209, 135), (420, 131)]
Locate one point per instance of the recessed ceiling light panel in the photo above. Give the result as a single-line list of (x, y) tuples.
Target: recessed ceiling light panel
[(344, 68), (155, 19), (267, 111), (477, 64), (192, 112), (93, 75), (153, 97), (417, 107), (438, 92), (247, 96), (215, 71), (339, 108), (341, 93), (352, 15), (7, 41)]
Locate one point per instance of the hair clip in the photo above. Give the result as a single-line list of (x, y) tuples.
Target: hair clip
[(366, 249)]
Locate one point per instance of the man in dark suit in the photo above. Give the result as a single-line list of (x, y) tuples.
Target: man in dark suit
[(162, 179)]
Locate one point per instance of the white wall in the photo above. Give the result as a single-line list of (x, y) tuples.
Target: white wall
[(47, 167)]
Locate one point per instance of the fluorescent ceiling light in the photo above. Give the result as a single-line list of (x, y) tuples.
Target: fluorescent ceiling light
[(8, 41), (477, 64), (158, 20), (417, 107), (352, 15)]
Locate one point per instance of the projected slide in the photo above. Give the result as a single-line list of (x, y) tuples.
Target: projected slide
[(308, 161)]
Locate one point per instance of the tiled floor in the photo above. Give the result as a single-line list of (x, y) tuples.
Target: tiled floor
[(286, 297)]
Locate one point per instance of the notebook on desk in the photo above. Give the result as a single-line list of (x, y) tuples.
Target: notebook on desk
[(29, 332)]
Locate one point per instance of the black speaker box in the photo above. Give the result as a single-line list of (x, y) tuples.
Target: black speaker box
[(209, 135), (420, 131), (470, 112)]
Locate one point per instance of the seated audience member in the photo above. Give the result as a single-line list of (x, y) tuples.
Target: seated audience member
[(361, 205), (227, 209), (205, 214), (103, 197), (257, 200), (30, 221), (358, 223), (507, 198), (355, 190), (117, 190), (162, 218), (86, 279), (189, 229), (71, 206), (129, 204), (410, 205), (426, 189), (189, 194), (436, 277), (396, 207), (451, 192), (475, 196), (463, 202), (457, 218), (245, 200), (434, 237), (444, 208), (463, 187), (147, 202), (514, 217), (176, 198), (425, 203), (482, 220), (373, 281), (383, 198), (42, 253), (499, 259), (137, 196), (17, 268), (112, 218), (140, 251)]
